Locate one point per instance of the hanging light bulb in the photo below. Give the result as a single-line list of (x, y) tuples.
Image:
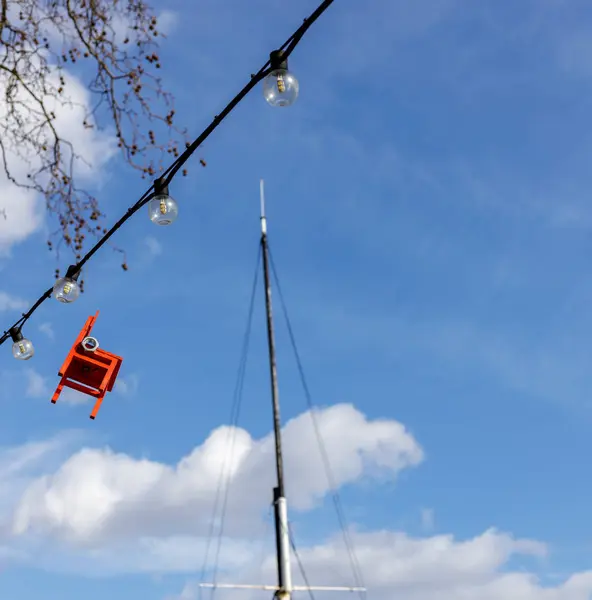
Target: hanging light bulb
[(90, 344), (163, 209), (22, 348), (280, 87), (66, 289)]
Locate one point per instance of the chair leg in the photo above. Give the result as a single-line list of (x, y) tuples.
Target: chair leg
[(58, 391), (107, 378), (97, 405)]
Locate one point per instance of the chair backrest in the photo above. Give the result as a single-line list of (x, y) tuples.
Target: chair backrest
[(85, 331)]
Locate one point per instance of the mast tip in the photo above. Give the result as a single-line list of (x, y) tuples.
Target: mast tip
[(262, 198)]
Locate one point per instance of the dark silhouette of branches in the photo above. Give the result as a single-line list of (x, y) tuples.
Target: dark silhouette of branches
[(111, 45)]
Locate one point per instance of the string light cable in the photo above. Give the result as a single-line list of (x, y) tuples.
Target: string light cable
[(280, 89)]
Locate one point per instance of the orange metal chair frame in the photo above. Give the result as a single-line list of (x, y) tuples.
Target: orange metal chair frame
[(92, 373)]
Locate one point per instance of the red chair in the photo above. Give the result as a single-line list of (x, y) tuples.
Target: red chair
[(89, 369)]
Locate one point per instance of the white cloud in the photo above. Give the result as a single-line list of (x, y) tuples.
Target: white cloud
[(47, 329), (381, 31), (8, 302), (154, 246), (36, 385), (24, 214), (573, 48), (39, 387), (98, 495), (83, 499), (427, 516), (394, 565), (20, 458), (167, 21), (127, 386), (23, 210), (122, 25), (178, 554), (94, 147), (74, 397), (19, 465)]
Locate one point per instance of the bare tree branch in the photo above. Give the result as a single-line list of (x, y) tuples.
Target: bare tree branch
[(112, 45)]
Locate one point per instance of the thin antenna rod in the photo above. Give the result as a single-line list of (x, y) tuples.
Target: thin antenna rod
[(262, 196), (280, 505)]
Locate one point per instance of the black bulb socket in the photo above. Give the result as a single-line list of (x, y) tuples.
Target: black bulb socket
[(277, 60), (73, 272), (15, 334), (161, 188)]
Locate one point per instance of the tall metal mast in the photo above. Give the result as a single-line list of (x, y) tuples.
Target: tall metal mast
[(284, 588), (279, 498)]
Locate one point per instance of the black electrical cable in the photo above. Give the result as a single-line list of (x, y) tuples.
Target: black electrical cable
[(300, 565), (165, 179), (225, 473), (239, 394), (327, 464)]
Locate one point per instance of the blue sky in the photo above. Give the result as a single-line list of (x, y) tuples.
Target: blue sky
[(429, 216)]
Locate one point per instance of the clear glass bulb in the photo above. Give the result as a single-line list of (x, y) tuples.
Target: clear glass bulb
[(163, 209), (90, 344), (23, 349), (66, 290), (280, 88)]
